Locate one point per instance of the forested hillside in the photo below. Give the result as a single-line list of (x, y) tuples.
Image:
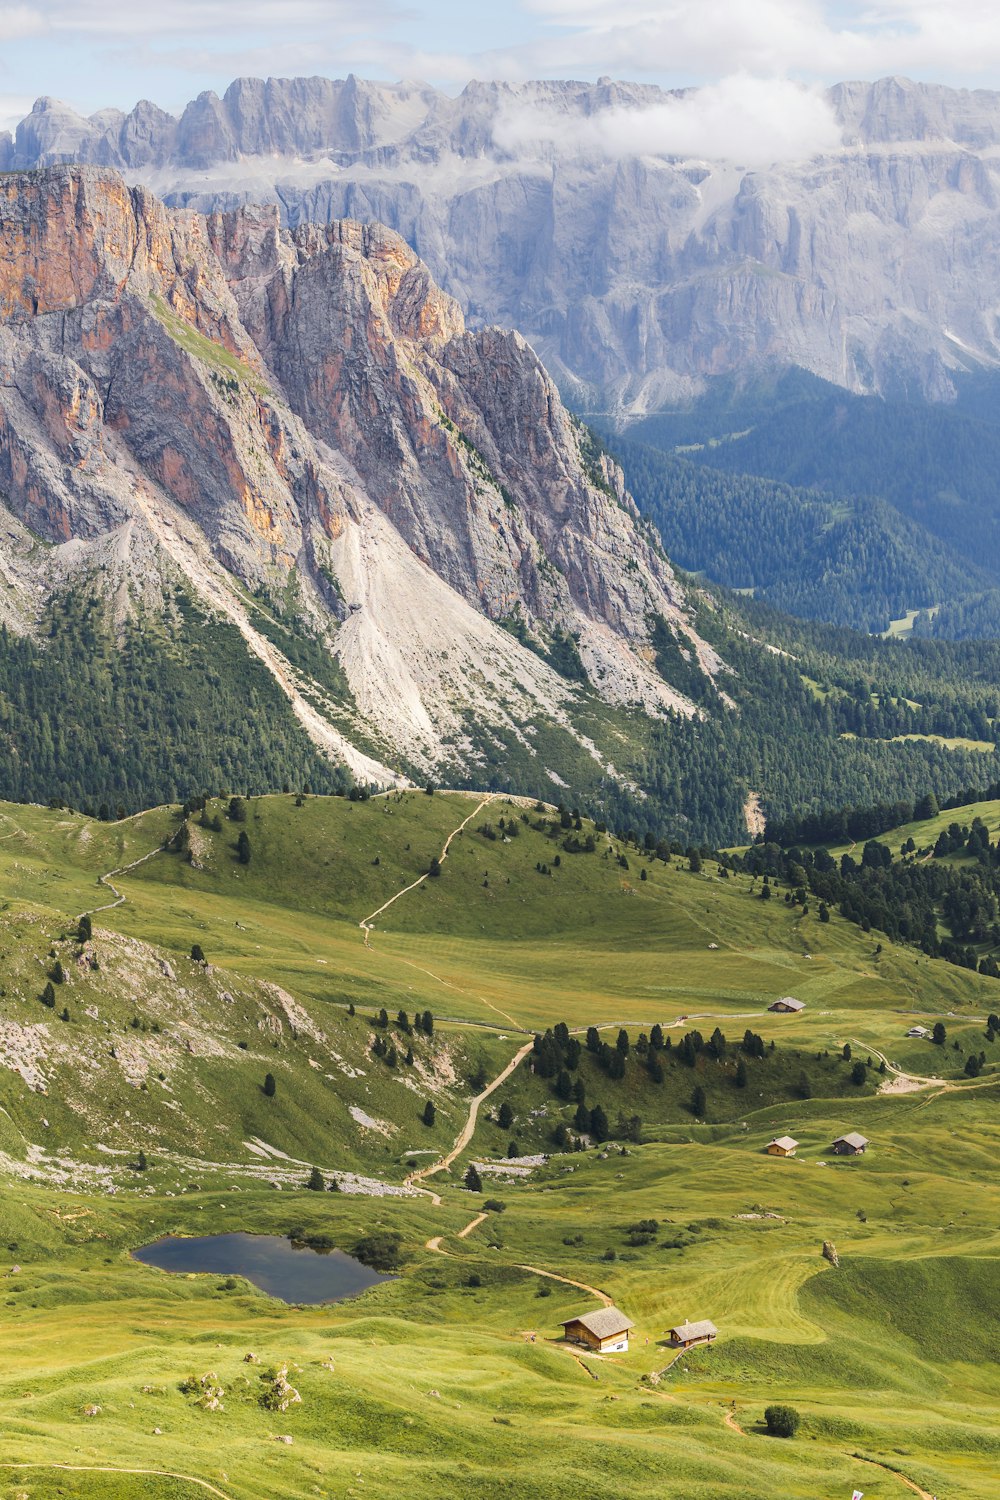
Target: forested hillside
[(854, 561), (937, 466)]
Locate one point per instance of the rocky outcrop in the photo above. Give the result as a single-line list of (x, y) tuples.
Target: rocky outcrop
[(636, 277), (305, 415)]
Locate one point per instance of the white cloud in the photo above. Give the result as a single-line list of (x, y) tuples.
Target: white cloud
[(816, 39), (121, 19), (20, 21), (751, 122), (13, 108)]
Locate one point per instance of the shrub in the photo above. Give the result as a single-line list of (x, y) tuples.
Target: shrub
[(782, 1421), (495, 1205), (380, 1251)]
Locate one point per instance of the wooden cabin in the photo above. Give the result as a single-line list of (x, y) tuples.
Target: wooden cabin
[(850, 1145), (788, 1005), (686, 1335), (782, 1145), (603, 1332), (918, 1031)]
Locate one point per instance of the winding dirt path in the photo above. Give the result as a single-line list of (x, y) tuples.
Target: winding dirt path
[(916, 1083), (105, 879), (110, 1469), (911, 1484), (434, 1243), (581, 1286), (468, 1129), (366, 922)]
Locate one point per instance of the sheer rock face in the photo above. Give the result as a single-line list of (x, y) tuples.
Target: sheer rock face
[(308, 406), (635, 277)]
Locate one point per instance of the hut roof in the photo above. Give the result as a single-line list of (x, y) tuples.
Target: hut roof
[(853, 1139), (785, 1142), (790, 1003), (603, 1324), (685, 1332)]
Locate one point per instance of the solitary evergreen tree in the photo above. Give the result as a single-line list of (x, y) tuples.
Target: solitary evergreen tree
[(434, 868), (58, 972), (473, 1181), (430, 1113), (698, 1101), (243, 848), (741, 1074), (49, 995), (83, 930), (317, 1182), (237, 810), (599, 1128), (141, 1164), (197, 953), (939, 1034), (428, 1023), (270, 1087), (505, 1116), (622, 1042)]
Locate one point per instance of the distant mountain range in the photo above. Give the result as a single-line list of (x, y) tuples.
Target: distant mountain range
[(638, 278)]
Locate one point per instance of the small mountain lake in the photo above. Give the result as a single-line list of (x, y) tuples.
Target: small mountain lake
[(285, 1269)]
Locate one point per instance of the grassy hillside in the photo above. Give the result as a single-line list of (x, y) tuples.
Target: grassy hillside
[(433, 1380)]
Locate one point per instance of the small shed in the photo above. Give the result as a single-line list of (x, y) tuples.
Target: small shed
[(782, 1145), (850, 1145), (604, 1331), (687, 1334), (919, 1031), (788, 1005)]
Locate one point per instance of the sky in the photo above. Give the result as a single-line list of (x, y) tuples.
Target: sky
[(93, 53)]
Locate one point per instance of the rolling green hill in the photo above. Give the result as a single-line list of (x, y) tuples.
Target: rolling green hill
[(454, 1372)]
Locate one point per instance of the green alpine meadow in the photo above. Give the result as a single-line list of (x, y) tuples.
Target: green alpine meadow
[(525, 1069)]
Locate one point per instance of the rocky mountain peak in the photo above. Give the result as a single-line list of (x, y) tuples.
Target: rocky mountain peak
[(304, 414)]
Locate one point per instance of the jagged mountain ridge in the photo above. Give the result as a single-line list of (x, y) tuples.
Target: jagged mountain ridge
[(874, 266), (262, 412)]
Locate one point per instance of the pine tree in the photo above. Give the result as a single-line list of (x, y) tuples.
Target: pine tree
[(505, 1116), (316, 1182), (473, 1181), (430, 1113), (270, 1087), (243, 848)]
